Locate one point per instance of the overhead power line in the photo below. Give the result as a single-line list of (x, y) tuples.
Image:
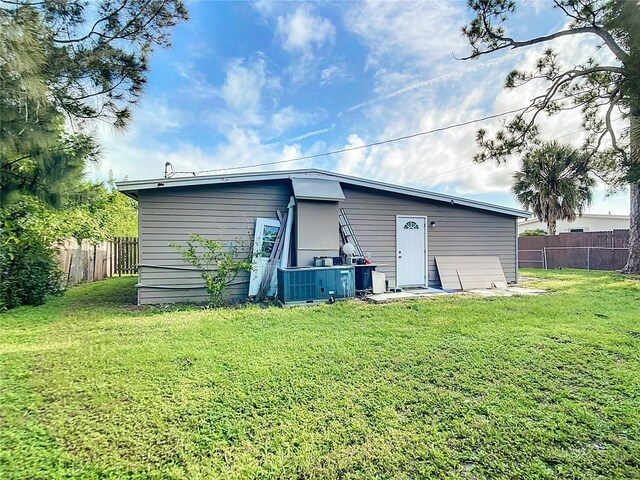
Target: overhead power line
[(374, 144), (359, 147)]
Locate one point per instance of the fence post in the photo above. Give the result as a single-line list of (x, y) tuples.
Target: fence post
[(544, 257), (118, 259), (588, 258)]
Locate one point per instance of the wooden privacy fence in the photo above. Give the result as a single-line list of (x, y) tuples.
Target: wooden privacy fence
[(124, 255), (87, 262), (587, 250)]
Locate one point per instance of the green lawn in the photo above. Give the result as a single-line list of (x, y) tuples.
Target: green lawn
[(451, 387)]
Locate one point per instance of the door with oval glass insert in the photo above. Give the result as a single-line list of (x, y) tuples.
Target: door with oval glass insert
[(411, 251)]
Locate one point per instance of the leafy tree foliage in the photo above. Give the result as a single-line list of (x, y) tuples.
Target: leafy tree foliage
[(52, 171), (533, 233), (596, 91), (64, 64), (29, 270), (88, 59), (36, 155), (97, 213), (554, 182), (30, 230)]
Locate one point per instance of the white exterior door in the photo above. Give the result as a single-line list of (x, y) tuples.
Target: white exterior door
[(411, 253), (263, 241)]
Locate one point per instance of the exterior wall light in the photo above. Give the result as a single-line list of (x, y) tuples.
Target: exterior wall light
[(432, 224)]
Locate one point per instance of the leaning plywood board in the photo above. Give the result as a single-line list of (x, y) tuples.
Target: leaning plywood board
[(467, 272), (447, 269), (473, 279)]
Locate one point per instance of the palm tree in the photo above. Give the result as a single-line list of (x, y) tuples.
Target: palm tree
[(554, 182)]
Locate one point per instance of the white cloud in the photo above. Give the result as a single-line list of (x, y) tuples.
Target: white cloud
[(334, 74), (249, 93), (430, 161), (128, 158), (418, 86), (304, 34), (456, 72), (407, 38), (290, 117), (404, 52), (196, 84), (242, 89), (302, 31)]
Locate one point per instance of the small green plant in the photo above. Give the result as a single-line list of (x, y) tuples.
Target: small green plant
[(533, 233), (219, 265)]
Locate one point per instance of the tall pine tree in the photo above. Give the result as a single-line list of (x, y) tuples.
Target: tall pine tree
[(594, 90)]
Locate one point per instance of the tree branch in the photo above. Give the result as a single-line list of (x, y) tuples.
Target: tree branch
[(95, 94), (8, 164), (607, 118), (93, 28), (513, 44), (566, 12), (142, 27)]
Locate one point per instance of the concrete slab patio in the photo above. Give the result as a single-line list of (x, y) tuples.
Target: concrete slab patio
[(411, 293), (505, 292), (415, 293)]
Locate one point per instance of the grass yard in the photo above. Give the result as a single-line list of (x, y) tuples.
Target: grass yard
[(451, 387)]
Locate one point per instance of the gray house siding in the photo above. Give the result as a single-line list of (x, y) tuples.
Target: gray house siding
[(458, 231), (222, 212)]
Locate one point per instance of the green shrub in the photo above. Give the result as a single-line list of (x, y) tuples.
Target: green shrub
[(218, 265), (29, 271), (533, 233)]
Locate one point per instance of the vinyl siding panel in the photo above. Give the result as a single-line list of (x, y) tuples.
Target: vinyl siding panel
[(225, 213), (458, 231)]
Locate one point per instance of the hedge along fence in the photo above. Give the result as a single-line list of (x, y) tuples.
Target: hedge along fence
[(83, 262)]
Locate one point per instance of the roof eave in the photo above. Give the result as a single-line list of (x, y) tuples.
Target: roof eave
[(132, 187)]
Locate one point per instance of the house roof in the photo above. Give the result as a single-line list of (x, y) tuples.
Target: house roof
[(131, 188)]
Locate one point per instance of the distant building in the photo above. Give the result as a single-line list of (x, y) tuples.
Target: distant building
[(588, 222)]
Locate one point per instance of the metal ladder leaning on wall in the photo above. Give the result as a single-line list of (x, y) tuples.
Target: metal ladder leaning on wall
[(347, 232)]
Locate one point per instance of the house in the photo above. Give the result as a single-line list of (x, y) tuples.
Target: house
[(588, 222), (401, 229)]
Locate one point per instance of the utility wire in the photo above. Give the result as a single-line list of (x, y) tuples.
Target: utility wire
[(374, 144), (360, 147)]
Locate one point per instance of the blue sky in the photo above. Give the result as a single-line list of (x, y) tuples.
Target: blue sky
[(248, 83)]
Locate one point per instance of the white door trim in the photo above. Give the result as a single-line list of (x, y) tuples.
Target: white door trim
[(426, 248)]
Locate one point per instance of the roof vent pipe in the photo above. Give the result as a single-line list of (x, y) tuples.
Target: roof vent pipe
[(169, 171)]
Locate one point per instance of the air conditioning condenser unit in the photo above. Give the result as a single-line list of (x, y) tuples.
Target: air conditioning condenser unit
[(304, 285)]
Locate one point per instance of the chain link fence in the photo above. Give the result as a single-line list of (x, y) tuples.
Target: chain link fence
[(584, 250), (589, 258)]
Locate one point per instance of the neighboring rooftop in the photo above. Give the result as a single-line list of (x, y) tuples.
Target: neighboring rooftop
[(131, 188), (584, 216)]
